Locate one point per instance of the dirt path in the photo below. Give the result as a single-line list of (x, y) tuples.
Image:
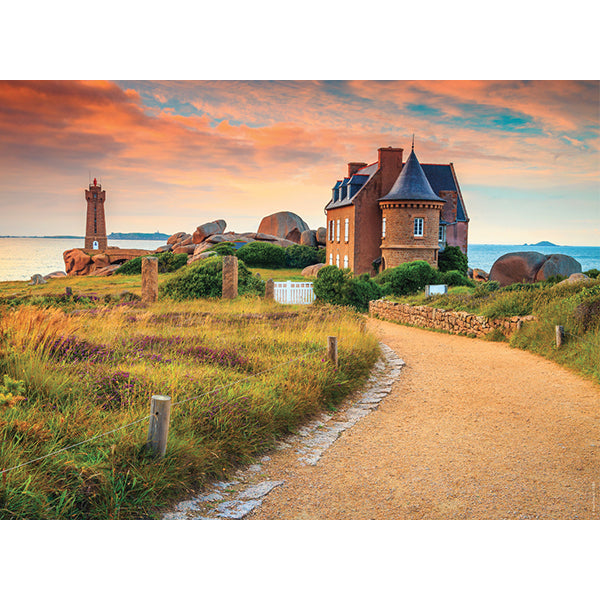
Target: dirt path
[(471, 430)]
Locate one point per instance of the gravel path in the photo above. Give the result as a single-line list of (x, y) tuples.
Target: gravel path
[(470, 430)]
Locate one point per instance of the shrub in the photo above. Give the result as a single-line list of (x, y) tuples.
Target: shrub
[(486, 288), (223, 249), (262, 254), (452, 259), (593, 273), (456, 278), (167, 263), (205, 279), (337, 286), (409, 278), (321, 255), (298, 257)]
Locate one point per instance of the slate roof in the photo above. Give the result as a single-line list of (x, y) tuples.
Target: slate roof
[(412, 183)]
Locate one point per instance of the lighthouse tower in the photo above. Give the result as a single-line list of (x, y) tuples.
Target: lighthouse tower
[(95, 227)]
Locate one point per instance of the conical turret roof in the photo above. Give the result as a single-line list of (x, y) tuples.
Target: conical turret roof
[(412, 184)]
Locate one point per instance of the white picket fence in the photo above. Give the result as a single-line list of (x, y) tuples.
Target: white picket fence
[(294, 292)]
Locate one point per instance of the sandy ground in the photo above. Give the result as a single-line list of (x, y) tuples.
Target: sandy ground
[(471, 430)]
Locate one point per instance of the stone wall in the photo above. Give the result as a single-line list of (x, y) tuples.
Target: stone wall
[(446, 320)]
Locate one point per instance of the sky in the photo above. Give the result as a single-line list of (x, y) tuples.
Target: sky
[(175, 154)]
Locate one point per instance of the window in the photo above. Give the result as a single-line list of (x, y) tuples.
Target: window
[(331, 231), (331, 258), (337, 260), (418, 228), (345, 261), (442, 234), (338, 231), (346, 229), (383, 228)]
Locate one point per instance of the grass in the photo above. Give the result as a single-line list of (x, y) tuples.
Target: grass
[(576, 307), (281, 274), (74, 373)]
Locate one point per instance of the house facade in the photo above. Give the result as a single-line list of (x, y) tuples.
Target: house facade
[(390, 212)]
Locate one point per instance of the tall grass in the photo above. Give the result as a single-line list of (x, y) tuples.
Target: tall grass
[(240, 374)]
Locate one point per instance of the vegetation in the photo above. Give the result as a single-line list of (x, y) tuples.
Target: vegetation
[(262, 254), (82, 379), (204, 279), (299, 257), (341, 287), (452, 259), (167, 263)]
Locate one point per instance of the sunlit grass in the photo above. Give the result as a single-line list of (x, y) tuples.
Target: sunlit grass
[(240, 373)]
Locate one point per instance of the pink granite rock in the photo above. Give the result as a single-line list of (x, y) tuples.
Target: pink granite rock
[(517, 267), (204, 231), (281, 224)]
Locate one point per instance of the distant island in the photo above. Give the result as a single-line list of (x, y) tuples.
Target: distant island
[(544, 243), (157, 236), (44, 237)]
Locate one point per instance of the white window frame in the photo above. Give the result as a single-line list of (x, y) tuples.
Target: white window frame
[(383, 224), (442, 234), (418, 226), (338, 230), (331, 258), (345, 261), (337, 261), (346, 230)]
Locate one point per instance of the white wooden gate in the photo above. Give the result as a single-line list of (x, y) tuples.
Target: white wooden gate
[(294, 292)]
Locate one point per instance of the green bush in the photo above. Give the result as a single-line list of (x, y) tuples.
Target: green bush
[(409, 278), (456, 278), (298, 257), (452, 259), (593, 273), (339, 286), (485, 288), (262, 254), (223, 249), (204, 279), (321, 255), (167, 263)]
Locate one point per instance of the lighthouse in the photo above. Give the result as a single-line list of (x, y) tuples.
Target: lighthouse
[(95, 228)]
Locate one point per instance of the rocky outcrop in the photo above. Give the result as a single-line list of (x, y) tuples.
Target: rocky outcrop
[(312, 270), (322, 236), (529, 267), (184, 249), (558, 264), (55, 275), (479, 275), (308, 238), (282, 225), (177, 237), (37, 279), (574, 278), (77, 262), (204, 231), (165, 248), (200, 256), (89, 262)]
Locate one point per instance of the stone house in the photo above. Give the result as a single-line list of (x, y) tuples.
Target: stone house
[(391, 212)]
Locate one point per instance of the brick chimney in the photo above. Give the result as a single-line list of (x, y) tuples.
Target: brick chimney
[(355, 166), (390, 165)]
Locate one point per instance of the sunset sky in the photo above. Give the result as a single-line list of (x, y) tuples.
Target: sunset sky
[(174, 154)]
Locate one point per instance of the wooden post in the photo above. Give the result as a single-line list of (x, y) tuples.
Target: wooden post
[(68, 291), (560, 335), (230, 278), (270, 289), (149, 279), (158, 428), (332, 350)]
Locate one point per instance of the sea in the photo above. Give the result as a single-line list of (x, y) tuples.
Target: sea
[(20, 258)]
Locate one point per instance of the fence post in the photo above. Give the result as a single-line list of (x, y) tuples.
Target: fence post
[(270, 289), (230, 278), (332, 350), (560, 335), (158, 428), (149, 279)]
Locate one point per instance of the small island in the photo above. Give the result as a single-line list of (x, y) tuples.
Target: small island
[(138, 236), (544, 243)]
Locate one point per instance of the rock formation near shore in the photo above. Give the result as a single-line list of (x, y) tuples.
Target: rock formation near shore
[(529, 267)]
